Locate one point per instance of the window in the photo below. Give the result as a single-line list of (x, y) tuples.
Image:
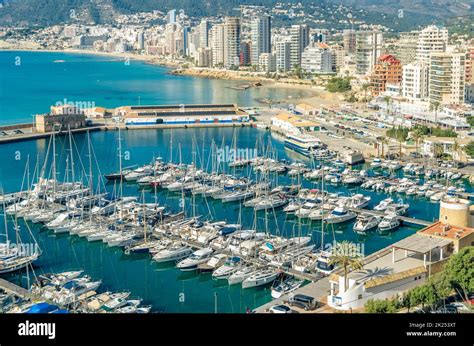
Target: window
[(359, 296)]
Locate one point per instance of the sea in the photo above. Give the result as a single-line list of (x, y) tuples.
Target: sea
[(110, 83)]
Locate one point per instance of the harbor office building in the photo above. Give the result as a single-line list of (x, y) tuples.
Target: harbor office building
[(407, 263), (182, 114), (60, 118)]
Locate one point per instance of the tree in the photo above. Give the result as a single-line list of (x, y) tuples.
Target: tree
[(338, 84), (469, 149), (388, 101), (434, 106), (417, 135), (346, 255), (459, 271), (456, 149), (365, 87)]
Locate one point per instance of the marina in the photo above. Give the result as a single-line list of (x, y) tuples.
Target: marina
[(165, 211)]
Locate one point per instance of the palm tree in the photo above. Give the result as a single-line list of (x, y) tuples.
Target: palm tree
[(346, 255), (417, 135), (388, 100), (383, 141), (456, 150), (364, 88), (434, 106)]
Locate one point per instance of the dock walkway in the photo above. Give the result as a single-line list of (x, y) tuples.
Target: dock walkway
[(405, 219), (11, 288)]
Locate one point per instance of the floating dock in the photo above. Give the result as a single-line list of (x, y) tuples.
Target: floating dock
[(11, 288)]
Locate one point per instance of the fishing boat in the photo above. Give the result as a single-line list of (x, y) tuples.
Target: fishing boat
[(260, 277), (196, 258)]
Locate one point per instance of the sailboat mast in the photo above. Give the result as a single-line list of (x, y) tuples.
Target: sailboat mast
[(72, 156), (323, 197)]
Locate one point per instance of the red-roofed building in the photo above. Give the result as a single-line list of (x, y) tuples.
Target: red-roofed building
[(387, 70)]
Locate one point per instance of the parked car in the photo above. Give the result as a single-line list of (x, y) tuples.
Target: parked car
[(303, 301), (280, 309)]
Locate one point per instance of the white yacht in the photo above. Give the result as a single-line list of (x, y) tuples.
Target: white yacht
[(214, 262), (197, 257), (339, 215), (230, 266), (286, 286), (384, 204), (376, 163), (365, 223), (397, 209), (240, 275), (389, 222), (175, 252), (358, 201), (260, 278), (306, 209)]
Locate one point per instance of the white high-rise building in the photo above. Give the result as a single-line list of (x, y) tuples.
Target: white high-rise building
[(231, 41), (282, 52), (368, 50), (299, 41), (447, 77), (431, 39), (204, 34), (415, 81), (317, 58), (216, 36), (261, 37), (267, 62)]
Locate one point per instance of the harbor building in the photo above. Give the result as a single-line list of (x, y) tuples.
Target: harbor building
[(407, 263), (181, 114), (387, 70), (368, 50), (60, 118), (289, 123), (447, 75)]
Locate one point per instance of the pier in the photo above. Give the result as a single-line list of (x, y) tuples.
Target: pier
[(11, 288), (405, 219)]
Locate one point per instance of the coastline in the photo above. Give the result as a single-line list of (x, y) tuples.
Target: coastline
[(318, 93)]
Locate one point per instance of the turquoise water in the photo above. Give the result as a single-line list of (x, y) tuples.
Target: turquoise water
[(158, 285), (38, 82), (30, 82)]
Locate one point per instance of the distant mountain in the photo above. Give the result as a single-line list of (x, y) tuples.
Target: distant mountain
[(48, 12)]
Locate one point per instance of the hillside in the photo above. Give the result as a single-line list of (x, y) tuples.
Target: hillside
[(48, 12)]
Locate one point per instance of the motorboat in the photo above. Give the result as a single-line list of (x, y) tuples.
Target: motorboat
[(365, 223), (231, 265), (196, 258), (306, 209), (175, 252), (389, 222), (358, 201), (285, 286), (240, 275), (339, 215), (384, 204), (260, 277), (214, 262), (397, 209)]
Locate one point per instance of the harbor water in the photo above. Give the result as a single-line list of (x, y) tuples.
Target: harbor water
[(165, 287)]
